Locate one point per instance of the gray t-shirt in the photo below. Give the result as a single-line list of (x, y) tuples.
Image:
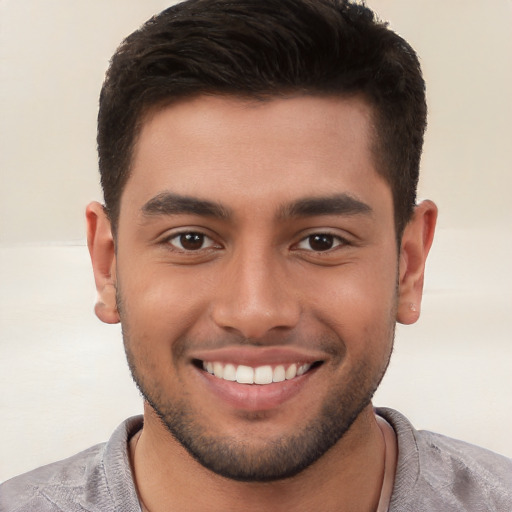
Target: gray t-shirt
[(434, 473)]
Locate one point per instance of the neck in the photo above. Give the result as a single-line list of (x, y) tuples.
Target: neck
[(348, 477)]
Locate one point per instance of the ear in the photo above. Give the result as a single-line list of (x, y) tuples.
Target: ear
[(102, 251), (416, 242)]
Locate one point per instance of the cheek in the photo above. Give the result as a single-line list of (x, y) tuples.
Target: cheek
[(360, 288), (356, 301), (158, 309)]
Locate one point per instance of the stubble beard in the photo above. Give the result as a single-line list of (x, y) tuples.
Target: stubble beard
[(281, 457)]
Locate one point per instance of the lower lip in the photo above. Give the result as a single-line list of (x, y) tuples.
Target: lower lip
[(255, 397)]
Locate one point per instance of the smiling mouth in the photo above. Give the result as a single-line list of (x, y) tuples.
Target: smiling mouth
[(261, 375)]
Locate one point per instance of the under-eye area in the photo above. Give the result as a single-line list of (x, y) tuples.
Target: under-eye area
[(265, 374)]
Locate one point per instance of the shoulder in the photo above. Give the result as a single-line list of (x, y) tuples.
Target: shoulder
[(436, 472), (487, 466), (45, 489), (97, 479)]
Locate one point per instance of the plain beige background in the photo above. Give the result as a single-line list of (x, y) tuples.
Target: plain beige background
[(63, 379)]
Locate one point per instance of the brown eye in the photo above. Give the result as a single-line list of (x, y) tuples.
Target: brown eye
[(191, 241), (320, 242)]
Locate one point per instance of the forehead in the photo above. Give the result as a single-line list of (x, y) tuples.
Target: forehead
[(266, 152)]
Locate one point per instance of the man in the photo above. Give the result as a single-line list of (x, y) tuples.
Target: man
[(260, 239)]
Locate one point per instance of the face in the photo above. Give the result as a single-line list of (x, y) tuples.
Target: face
[(256, 271)]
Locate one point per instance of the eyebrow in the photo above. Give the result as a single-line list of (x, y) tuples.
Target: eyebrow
[(168, 203), (338, 204)]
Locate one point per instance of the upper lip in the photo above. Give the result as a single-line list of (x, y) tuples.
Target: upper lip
[(259, 356)]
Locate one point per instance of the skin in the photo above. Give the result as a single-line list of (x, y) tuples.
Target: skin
[(254, 288)]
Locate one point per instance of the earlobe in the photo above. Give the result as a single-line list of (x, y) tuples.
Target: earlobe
[(416, 242), (100, 242)]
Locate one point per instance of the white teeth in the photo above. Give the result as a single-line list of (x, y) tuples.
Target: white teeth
[(229, 372), (301, 370), (218, 370), (279, 374), (291, 372), (263, 375), (244, 375), (259, 375)]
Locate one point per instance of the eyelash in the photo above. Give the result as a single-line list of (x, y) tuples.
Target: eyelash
[(337, 241), (178, 236)]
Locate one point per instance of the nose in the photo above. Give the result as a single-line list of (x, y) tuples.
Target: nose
[(256, 296)]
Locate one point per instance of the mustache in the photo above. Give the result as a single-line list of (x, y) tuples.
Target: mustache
[(329, 342)]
